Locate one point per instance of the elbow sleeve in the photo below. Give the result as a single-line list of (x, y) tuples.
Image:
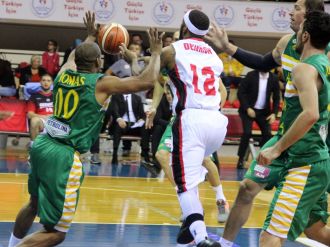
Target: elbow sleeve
[(255, 61)]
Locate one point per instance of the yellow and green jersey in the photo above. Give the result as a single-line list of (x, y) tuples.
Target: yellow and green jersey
[(312, 147), (78, 117)]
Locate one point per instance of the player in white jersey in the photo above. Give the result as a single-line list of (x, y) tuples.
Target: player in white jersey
[(199, 128)]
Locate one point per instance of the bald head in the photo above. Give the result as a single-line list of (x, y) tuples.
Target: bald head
[(86, 56)]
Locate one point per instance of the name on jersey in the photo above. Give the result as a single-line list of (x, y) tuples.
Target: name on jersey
[(197, 48), (56, 128), (72, 80), (46, 105)]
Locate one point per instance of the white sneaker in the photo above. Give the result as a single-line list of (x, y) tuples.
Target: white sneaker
[(192, 244), (223, 211)]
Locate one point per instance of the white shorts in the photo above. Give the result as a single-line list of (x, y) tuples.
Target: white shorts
[(196, 134)]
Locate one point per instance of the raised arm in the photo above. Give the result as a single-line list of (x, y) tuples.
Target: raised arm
[(218, 39), (92, 31), (110, 85)]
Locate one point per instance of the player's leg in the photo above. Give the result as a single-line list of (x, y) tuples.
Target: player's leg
[(317, 228), (187, 157), (23, 222), (256, 179), (295, 197), (163, 153), (214, 180)]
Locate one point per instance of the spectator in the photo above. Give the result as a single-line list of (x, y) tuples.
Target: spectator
[(7, 82), (167, 40), (40, 107), (51, 59), (137, 40), (255, 93), (128, 118), (32, 72), (232, 70), (70, 49), (176, 36)]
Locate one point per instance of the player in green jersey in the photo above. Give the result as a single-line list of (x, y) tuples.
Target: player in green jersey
[(258, 177), (305, 124), (56, 170)]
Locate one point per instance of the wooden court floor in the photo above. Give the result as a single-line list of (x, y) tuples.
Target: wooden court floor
[(125, 200)]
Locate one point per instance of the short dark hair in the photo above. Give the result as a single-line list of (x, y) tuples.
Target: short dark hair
[(199, 19), (312, 5), (317, 24), (53, 41), (86, 55)]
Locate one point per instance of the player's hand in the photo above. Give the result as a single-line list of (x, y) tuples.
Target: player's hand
[(122, 124), (251, 113), (155, 40), (217, 38), (271, 118), (89, 21), (267, 155), (127, 54), (150, 118)]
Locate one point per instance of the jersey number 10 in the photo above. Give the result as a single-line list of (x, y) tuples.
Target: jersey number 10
[(62, 103)]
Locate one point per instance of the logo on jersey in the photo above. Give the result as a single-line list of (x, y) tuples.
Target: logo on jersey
[(43, 8), (103, 9), (261, 171), (163, 13), (224, 15), (281, 19), (56, 128)]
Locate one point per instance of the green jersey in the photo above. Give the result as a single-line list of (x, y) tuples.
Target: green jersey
[(78, 117), (312, 147), (289, 59)]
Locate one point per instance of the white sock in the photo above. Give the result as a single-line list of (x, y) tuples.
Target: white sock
[(13, 241), (198, 230), (219, 193), (225, 242)]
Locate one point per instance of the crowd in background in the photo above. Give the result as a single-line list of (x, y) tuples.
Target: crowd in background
[(126, 113)]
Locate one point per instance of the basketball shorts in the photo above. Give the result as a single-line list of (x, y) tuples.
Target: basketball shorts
[(166, 140), (55, 178), (299, 200), (197, 133), (270, 174)]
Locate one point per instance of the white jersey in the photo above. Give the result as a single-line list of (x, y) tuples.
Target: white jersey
[(195, 76)]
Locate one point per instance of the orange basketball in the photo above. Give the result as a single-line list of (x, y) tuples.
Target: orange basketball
[(111, 36)]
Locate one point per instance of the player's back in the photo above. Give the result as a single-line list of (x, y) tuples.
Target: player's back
[(195, 75), (77, 114)]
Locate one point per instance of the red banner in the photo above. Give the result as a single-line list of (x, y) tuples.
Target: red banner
[(17, 122)]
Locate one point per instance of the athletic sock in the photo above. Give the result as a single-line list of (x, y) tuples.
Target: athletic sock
[(13, 241), (225, 242), (198, 230), (219, 193)]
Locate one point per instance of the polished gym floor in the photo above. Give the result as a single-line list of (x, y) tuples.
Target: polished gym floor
[(124, 205)]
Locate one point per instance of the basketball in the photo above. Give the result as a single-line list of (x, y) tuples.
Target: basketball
[(111, 36)]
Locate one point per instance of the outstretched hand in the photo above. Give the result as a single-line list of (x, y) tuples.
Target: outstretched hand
[(89, 21), (217, 37), (150, 118), (155, 40), (128, 55)]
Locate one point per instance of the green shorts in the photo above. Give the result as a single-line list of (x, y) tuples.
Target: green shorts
[(166, 141), (270, 174), (299, 200), (55, 178)]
